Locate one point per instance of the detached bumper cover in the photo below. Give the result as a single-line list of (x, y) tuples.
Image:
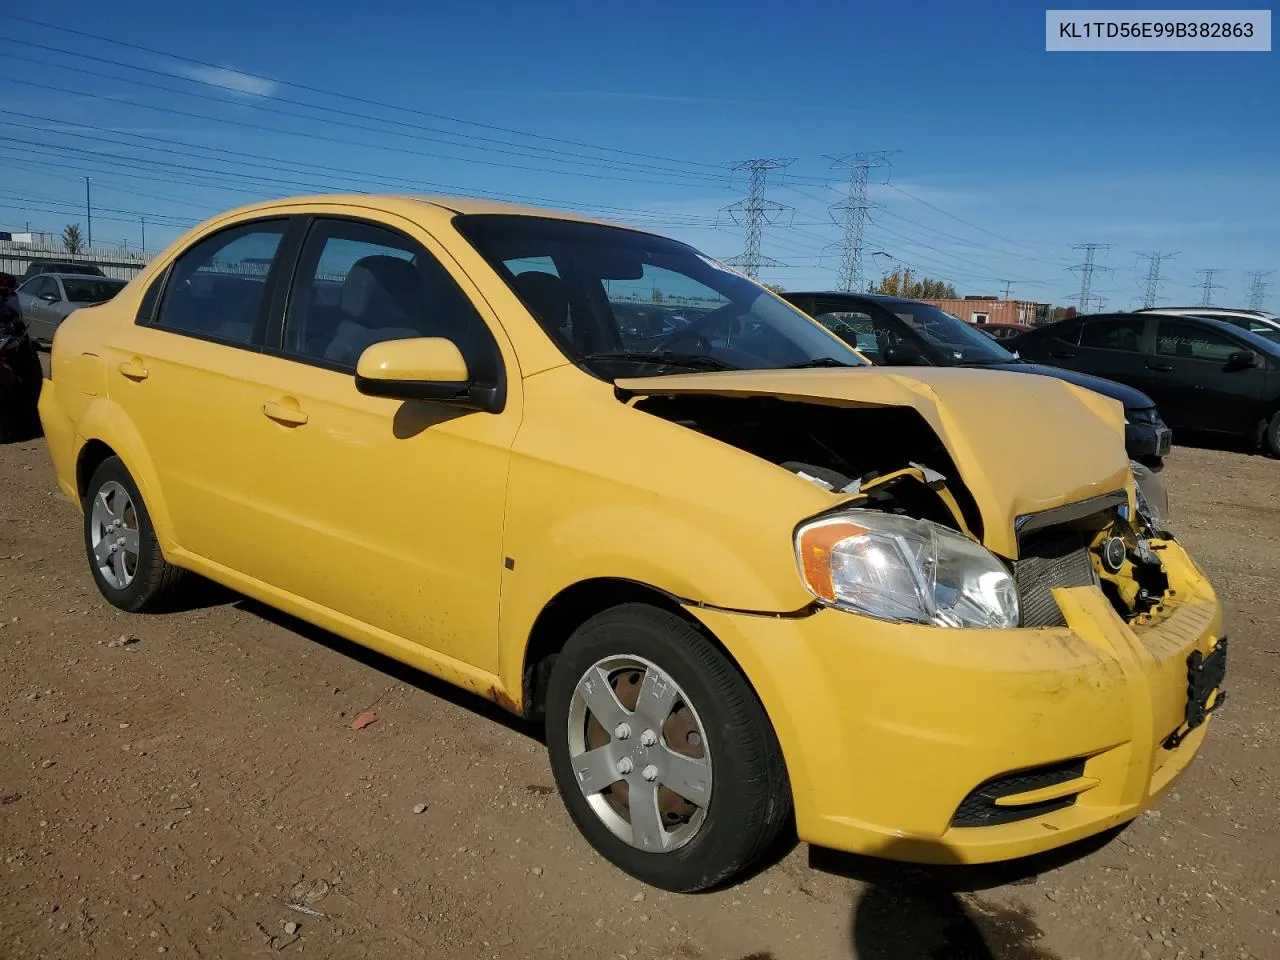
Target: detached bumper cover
[(888, 729)]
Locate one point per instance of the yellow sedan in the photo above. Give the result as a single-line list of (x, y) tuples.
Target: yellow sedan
[(616, 486)]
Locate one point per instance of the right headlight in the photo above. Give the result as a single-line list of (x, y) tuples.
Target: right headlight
[(897, 568)]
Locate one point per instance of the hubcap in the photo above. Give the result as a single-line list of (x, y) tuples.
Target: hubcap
[(651, 790), (113, 535)]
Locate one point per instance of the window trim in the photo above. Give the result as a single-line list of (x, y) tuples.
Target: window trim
[(262, 321), (273, 341)]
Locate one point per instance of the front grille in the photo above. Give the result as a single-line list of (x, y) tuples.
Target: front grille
[(1056, 557), (979, 808)]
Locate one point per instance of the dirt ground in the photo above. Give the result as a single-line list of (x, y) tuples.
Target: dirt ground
[(185, 792)]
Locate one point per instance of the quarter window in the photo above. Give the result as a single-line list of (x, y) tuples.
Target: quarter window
[(1123, 335), (1190, 341), (358, 284), (218, 287)]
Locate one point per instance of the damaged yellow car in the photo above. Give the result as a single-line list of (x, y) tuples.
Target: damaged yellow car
[(614, 485)]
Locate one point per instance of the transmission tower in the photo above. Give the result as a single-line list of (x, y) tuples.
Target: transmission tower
[(1258, 287), (1086, 271), (1154, 260), (852, 212), (1208, 286), (1008, 287), (753, 212)]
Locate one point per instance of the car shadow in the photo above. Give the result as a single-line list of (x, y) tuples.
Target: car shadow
[(909, 911), (1217, 441)]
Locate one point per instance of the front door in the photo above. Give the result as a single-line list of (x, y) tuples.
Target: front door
[(178, 376), (383, 511), (1212, 395)]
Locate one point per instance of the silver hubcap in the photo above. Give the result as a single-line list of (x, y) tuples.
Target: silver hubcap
[(640, 753), (113, 535)]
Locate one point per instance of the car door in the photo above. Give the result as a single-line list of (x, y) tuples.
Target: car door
[(36, 308), (177, 374), (385, 512), (1214, 395), (1113, 347)]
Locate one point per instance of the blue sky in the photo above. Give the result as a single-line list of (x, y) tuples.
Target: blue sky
[(1008, 155)]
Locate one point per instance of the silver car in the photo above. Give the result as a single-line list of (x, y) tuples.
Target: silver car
[(47, 299)]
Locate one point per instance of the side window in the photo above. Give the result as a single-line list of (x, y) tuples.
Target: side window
[(1067, 333), (35, 287), (1174, 339), (218, 288), (147, 307), (854, 328), (358, 284), (1123, 335)]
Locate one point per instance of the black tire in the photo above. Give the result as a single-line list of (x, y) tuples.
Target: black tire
[(750, 800), (1271, 439), (155, 581)]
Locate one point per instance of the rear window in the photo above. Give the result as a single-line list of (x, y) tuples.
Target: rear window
[(90, 290)]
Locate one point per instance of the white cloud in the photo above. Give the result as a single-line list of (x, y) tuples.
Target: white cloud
[(229, 79)]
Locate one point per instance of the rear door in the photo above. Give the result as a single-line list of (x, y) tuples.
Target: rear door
[(178, 374), (1114, 347), (1212, 394)]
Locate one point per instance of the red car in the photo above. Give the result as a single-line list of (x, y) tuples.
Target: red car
[(1003, 331)]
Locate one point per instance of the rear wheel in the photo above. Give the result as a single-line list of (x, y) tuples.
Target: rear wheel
[(661, 751), (124, 555)]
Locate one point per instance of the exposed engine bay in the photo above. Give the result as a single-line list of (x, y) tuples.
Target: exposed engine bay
[(889, 458)]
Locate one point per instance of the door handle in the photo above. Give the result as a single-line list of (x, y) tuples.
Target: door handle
[(1160, 367), (290, 416), (1061, 354), (134, 370)]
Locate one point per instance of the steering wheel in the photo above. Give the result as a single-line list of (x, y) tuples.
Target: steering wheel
[(684, 333)]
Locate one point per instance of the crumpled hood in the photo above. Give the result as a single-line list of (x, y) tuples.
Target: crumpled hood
[(1022, 444)]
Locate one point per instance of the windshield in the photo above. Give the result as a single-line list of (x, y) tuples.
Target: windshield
[(950, 340), (89, 290), (622, 303)]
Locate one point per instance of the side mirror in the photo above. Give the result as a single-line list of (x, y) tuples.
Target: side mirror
[(423, 368), (902, 355), (1242, 360), (50, 297)]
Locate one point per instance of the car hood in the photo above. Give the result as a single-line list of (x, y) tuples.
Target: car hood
[(1131, 398), (1021, 445)]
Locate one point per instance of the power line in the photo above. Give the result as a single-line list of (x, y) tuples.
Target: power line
[(1154, 260), (854, 209), (1086, 271), (1258, 287), (753, 212), (1208, 286)]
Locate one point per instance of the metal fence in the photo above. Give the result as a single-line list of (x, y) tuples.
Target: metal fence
[(16, 257)]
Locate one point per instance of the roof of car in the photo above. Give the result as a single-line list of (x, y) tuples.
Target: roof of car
[(387, 202), (884, 297), (73, 276)]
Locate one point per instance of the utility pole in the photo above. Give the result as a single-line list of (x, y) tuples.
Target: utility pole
[(1086, 271), (1258, 287), (143, 221), (1208, 286), (1008, 284), (1154, 260), (88, 214), (853, 212), (753, 212)]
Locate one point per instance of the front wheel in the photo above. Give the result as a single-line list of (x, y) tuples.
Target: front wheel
[(1272, 437), (661, 751)]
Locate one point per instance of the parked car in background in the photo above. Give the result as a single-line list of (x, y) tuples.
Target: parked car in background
[(1261, 322), (900, 332), (1003, 331), (47, 299), (1205, 373), (730, 586), (37, 267)]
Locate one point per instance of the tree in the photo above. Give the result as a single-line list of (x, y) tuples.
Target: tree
[(1062, 313), (900, 283), (71, 238), (775, 288)]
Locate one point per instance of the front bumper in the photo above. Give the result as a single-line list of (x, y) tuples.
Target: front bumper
[(887, 728), (1147, 440)]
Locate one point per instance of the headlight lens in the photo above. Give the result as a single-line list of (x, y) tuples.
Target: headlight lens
[(897, 568), (1153, 500)]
